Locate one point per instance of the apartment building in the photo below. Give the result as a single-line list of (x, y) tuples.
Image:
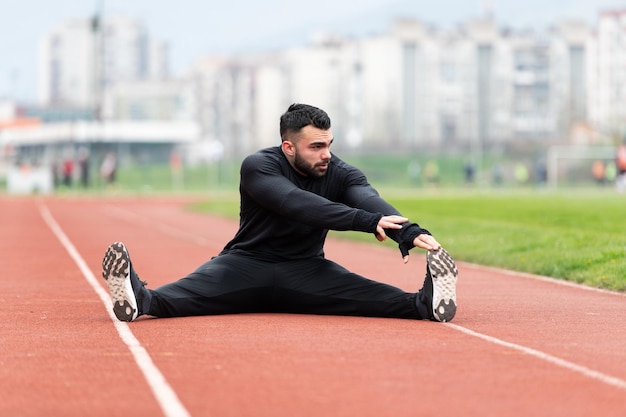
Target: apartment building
[(474, 88), (607, 93), (82, 58)]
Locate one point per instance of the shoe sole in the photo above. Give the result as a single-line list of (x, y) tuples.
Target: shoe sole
[(116, 272), (444, 273)]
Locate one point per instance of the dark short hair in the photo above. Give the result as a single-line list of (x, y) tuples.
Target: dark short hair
[(298, 116)]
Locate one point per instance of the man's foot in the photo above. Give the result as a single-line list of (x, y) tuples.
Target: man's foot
[(441, 290), (127, 291)]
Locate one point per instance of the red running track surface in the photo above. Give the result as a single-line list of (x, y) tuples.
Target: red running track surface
[(519, 346)]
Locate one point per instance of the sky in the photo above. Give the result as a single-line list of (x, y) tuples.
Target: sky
[(196, 28)]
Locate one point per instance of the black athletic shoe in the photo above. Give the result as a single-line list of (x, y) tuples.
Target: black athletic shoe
[(440, 285), (127, 291)]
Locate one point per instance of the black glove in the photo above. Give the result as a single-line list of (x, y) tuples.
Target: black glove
[(407, 244)]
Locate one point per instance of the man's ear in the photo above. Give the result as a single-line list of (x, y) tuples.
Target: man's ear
[(288, 148)]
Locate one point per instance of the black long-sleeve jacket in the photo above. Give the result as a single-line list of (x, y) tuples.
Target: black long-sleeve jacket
[(284, 215)]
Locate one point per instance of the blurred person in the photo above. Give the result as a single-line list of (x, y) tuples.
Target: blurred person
[(610, 173), (291, 196), (54, 169), (598, 170), (431, 172), (108, 169), (83, 166), (521, 173), (620, 164), (176, 169), (497, 174), (470, 172), (541, 172), (415, 172), (67, 170)]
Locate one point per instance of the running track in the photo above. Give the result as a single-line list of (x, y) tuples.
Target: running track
[(519, 346)]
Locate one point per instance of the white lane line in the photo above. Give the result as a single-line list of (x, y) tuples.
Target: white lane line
[(589, 373), (163, 392)]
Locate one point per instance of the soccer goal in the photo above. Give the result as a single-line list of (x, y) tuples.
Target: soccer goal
[(559, 155)]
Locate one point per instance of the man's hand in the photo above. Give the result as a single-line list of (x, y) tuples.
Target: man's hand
[(424, 241), (388, 222)]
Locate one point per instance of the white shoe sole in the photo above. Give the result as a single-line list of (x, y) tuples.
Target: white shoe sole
[(444, 273), (116, 272)]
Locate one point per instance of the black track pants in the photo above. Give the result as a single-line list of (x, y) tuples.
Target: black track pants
[(230, 284)]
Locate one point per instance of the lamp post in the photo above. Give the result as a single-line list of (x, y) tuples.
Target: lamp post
[(98, 52)]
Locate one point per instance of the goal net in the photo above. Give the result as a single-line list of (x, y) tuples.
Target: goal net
[(572, 162)]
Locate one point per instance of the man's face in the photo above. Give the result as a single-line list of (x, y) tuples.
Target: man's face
[(309, 154)]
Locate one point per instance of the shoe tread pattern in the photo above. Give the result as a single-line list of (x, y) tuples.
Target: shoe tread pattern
[(115, 270), (444, 274)]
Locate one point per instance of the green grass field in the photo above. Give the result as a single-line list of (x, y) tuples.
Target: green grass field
[(578, 235)]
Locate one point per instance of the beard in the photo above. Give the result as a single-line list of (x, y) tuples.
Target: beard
[(308, 169)]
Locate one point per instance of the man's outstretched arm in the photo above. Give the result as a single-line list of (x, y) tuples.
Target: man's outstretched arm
[(408, 236), (393, 223)]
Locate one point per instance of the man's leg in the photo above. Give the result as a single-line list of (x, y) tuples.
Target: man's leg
[(320, 286), (227, 284)]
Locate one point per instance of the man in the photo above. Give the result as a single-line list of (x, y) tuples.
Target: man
[(620, 164), (291, 195)]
